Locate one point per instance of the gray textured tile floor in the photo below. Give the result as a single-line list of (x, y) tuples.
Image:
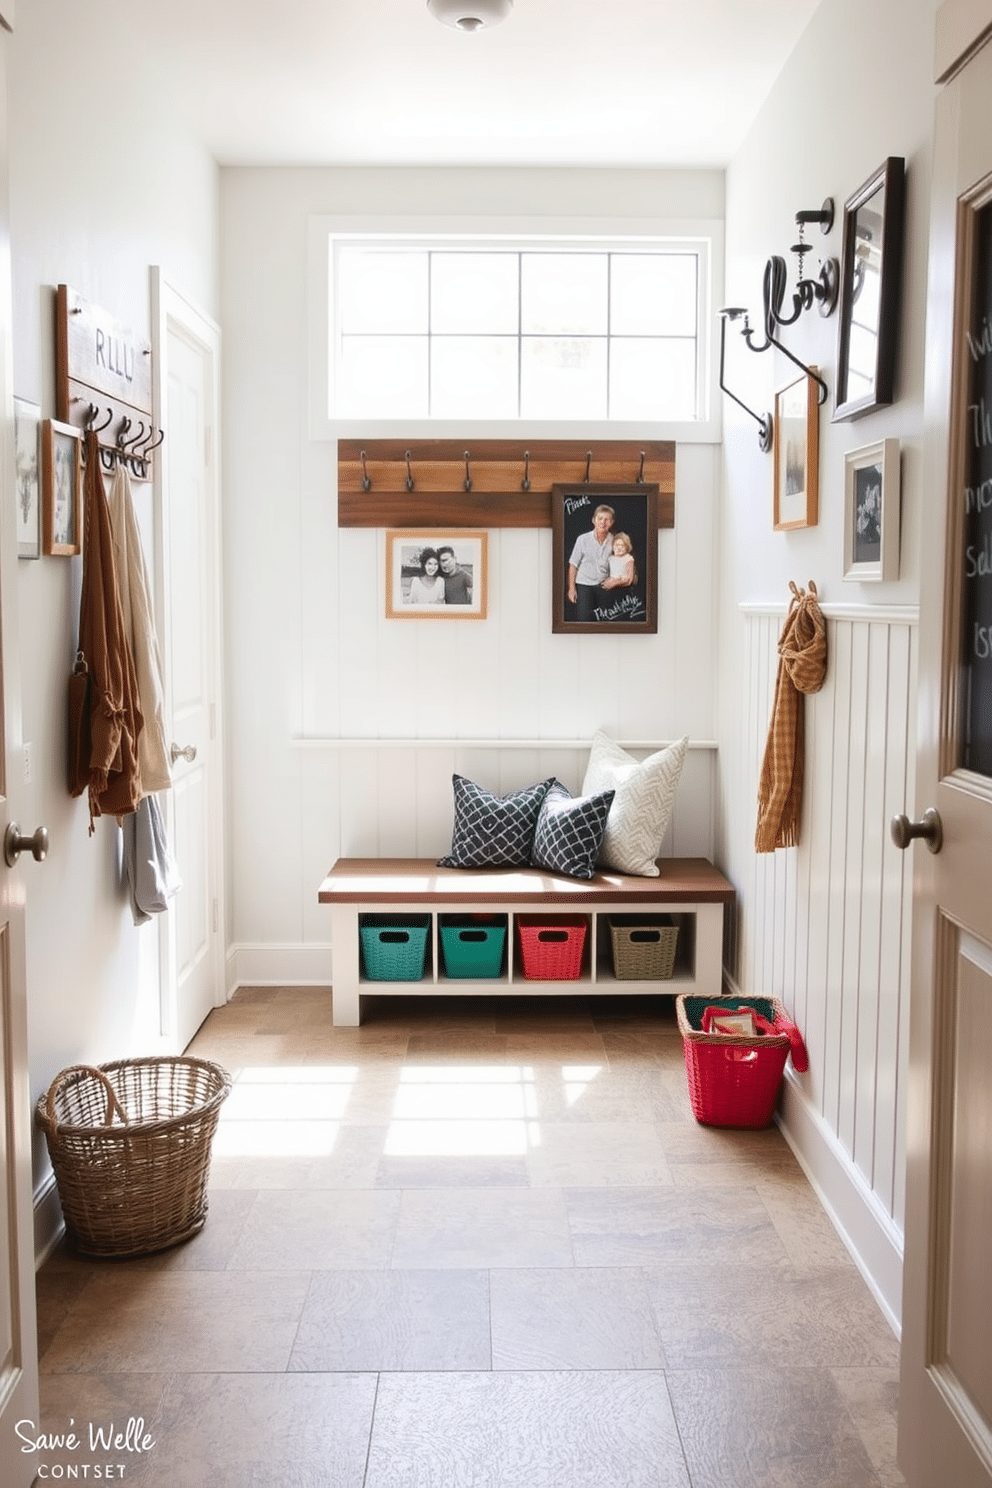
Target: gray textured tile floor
[(476, 1243)]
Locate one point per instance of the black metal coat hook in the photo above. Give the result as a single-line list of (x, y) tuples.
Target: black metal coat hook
[(366, 483), (640, 471), (586, 477), (409, 472), (91, 417), (525, 483), (468, 474)]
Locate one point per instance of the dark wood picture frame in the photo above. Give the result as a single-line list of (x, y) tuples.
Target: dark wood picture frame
[(620, 605), (870, 291), (62, 487), (797, 454)]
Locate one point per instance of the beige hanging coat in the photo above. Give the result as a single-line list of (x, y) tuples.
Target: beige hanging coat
[(139, 626)]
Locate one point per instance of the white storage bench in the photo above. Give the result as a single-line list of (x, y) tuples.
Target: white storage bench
[(689, 890)]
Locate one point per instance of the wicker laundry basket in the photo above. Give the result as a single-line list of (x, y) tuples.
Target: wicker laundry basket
[(130, 1146)]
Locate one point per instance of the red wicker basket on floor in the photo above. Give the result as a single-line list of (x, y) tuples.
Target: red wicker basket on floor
[(735, 1081)]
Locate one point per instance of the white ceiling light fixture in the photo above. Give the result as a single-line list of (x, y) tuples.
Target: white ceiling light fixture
[(470, 15)]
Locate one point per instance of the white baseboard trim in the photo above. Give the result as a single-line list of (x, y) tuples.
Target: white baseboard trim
[(278, 966), (49, 1225), (869, 1233)]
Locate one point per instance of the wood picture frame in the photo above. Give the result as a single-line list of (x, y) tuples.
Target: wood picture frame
[(871, 512), (27, 477), (623, 599), (62, 487), (436, 574), (870, 291), (797, 454)]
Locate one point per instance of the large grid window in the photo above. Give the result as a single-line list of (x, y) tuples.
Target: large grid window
[(548, 333)]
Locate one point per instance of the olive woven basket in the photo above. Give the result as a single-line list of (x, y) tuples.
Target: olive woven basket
[(130, 1147)]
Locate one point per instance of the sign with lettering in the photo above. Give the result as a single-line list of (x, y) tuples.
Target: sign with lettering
[(976, 752), (99, 358)]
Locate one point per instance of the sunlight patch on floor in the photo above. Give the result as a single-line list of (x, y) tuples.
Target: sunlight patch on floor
[(284, 1111), (577, 1078)]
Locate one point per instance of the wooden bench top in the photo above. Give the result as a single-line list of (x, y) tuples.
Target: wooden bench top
[(421, 881)]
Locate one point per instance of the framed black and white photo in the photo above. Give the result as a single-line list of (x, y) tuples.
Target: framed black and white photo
[(797, 454), (61, 483), (604, 559), (871, 512), (870, 288), (27, 421), (436, 575)]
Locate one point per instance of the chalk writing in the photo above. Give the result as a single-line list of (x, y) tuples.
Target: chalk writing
[(980, 344), (976, 541)]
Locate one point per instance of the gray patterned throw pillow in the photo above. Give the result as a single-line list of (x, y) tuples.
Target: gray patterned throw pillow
[(493, 831), (570, 830)]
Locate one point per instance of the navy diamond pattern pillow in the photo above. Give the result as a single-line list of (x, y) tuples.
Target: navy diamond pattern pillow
[(570, 831), (493, 831)]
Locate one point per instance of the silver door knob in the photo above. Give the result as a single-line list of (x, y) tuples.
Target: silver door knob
[(929, 827), (188, 754), (14, 843)]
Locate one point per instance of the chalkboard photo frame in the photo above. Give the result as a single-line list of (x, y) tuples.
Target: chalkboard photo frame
[(604, 542), (870, 291), (871, 512)]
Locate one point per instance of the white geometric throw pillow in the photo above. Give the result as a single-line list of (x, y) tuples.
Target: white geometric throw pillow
[(642, 803)]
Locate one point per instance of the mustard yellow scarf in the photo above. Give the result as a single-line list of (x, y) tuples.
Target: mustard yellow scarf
[(802, 668)]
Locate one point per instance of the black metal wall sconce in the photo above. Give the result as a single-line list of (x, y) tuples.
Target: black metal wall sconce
[(821, 291), (764, 421)]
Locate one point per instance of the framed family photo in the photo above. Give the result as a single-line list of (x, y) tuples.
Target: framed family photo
[(797, 450), (61, 483), (604, 559), (436, 575), (27, 423), (871, 512)]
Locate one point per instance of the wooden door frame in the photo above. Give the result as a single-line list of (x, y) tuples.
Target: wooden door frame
[(173, 313)]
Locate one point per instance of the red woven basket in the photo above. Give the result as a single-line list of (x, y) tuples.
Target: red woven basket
[(735, 1081), (551, 951)]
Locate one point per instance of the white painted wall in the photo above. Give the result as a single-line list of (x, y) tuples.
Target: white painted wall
[(105, 181), (823, 926), (310, 653)]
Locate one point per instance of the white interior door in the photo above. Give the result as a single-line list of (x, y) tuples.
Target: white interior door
[(188, 357), (18, 1332), (946, 1386)]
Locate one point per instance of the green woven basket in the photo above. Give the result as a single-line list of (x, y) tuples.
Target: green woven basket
[(472, 950), (394, 947)]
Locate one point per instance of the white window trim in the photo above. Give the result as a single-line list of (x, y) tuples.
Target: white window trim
[(705, 236)]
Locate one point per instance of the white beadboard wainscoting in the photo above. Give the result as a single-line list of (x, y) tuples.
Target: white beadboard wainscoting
[(825, 926), (392, 797)]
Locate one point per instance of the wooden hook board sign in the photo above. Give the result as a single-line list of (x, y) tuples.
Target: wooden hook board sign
[(100, 364), (374, 477)]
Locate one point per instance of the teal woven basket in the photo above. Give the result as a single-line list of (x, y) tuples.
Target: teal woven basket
[(394, 947), (472, 950)]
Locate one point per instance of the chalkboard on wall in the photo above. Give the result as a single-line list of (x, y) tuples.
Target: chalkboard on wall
[(977, 633)]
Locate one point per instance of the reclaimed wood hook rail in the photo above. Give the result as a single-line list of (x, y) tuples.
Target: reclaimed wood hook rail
[(492, 483)]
